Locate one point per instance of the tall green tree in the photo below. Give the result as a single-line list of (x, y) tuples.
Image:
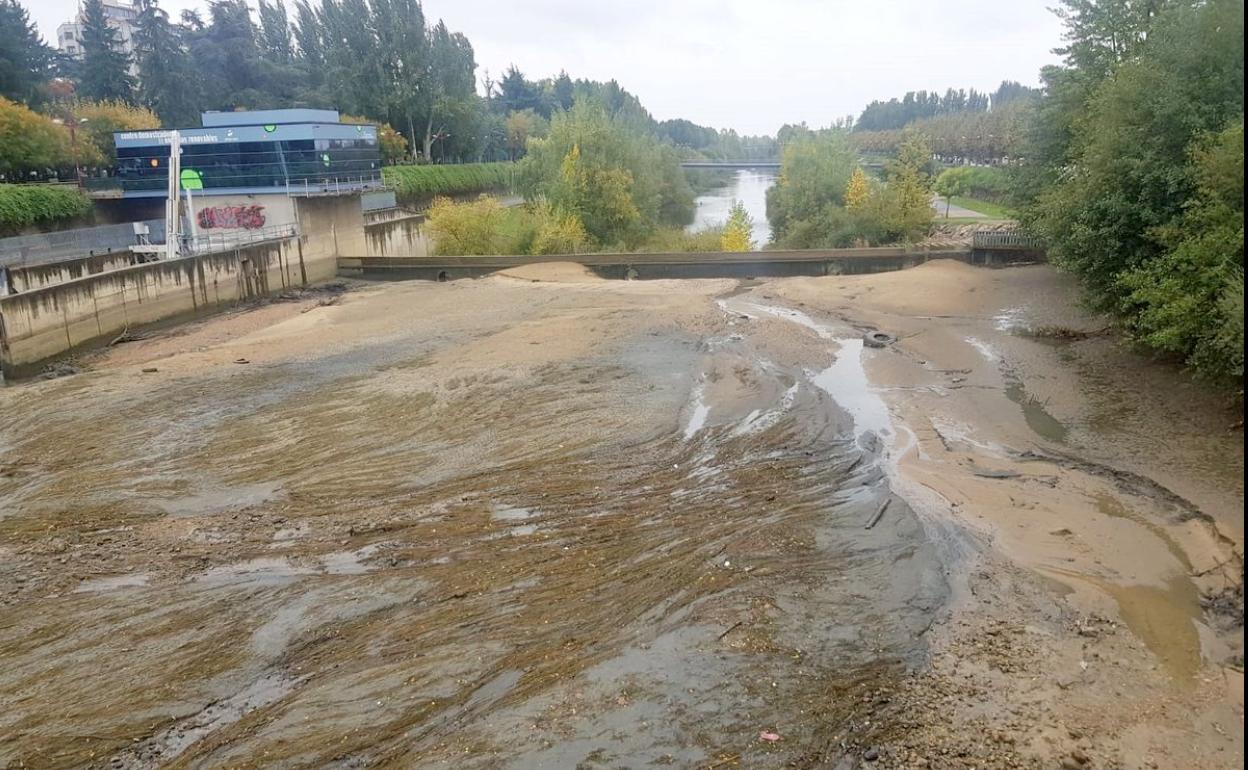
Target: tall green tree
[(814, 172), (620, 183), (168, 84), (25, 59), (451, 83), (105, 71), (1119, 180), (564, 91), (1190, 301), (229, 52), (307, 31), (275, 32), (1126, 172), (516, 93)]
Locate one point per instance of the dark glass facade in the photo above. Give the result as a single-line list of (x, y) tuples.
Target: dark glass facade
[(293, 163)]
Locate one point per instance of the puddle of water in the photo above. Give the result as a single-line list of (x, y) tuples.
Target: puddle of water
[(701, 410), (788, 314), (1010, 319), (1113, 507), (1038, 418), (846, 381), (165, 746), (760, 420), (263, 571), (1163, 618), (101, 585), (349, 562), (223, 498), (984, 349), (511, 513)]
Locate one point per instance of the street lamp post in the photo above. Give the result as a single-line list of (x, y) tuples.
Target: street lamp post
[(72, 124)]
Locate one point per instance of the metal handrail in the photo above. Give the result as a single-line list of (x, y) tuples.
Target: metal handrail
[(212, 242), (989, 239)]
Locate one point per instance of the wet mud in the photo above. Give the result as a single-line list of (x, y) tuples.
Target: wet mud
[(647, 552), (565, 523)]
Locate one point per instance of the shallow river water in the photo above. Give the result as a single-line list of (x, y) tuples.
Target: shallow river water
[(749, 187)]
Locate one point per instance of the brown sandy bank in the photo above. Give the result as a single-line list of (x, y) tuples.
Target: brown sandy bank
[(545, 520)]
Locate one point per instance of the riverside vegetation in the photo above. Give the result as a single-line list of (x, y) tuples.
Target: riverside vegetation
[(1134, 172), (1126, 161)]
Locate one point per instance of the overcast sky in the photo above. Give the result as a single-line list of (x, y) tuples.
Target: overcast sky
[(751, 65)]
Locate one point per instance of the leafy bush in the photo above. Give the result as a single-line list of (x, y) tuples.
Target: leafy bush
[(1135, 177), (555, 232), (738, 232), (98, 120), (618, 181), (27, 205), (30, 141), (1190, 301), (485, 226), (392, 144), (987, 183), (418, 183), (824, 201), (677, 240), (815, 170), (475, 227)]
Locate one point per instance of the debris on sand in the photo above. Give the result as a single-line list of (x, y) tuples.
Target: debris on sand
[(59, 369), (878, 339)]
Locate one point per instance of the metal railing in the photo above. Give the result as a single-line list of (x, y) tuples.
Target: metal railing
[(299, 186), (335, 185), (1004, 239), (208, 243), (24, 250)]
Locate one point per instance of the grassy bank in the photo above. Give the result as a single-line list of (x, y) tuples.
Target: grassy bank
[(987, 208), (36, 205), (418, 183)]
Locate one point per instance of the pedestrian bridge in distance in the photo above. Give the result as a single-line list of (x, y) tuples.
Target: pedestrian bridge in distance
[(730, 164)]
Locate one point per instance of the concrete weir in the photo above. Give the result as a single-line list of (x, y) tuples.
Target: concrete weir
[(756, 264)]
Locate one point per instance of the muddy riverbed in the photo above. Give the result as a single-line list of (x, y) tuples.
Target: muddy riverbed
[(540, 520)]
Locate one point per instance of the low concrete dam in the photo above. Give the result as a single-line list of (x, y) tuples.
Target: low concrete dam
[(629, 266)]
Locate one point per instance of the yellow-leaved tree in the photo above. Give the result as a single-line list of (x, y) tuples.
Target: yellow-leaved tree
[(858, 190), (391, 143), (96, 122), (738, 230)]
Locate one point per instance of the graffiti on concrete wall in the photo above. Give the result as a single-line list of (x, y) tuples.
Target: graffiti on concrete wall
[(245, 217)]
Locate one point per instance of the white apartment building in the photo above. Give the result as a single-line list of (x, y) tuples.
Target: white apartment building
[(121, 15)]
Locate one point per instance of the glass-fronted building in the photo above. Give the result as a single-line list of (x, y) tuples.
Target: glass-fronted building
[(296, 152)]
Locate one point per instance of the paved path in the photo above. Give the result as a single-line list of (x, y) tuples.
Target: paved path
[(938, 203)]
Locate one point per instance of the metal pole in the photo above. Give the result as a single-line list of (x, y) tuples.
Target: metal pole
[(173, 222)]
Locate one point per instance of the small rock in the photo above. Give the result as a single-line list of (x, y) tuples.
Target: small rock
[(871, 754)]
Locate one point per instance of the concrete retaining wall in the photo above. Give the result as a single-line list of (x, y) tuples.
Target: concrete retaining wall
[(24, 279), (38, 325), (396, 233), (47, 319)]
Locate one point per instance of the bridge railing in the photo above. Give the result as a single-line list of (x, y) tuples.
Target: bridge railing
[(746, 163), (1005, 239)]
